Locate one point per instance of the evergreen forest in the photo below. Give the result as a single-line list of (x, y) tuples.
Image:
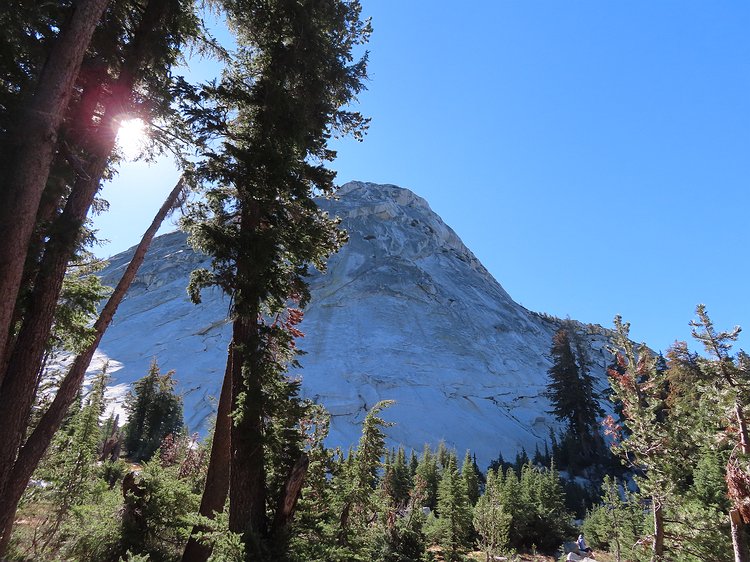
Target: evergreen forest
[(656, 467)]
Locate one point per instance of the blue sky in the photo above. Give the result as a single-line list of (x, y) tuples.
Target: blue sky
[(594, 155)]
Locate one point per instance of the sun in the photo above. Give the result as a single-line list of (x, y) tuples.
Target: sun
[(131, 137)]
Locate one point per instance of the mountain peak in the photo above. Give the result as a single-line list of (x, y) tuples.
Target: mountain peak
[(403, 220), (377, 193)]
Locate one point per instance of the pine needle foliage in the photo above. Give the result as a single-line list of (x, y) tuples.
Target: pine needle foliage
[(617, 523), (575, 401), (454, 530), (492, 521), (70, 470), (686, 427), (154, 411), (427, 471), (471, 476)]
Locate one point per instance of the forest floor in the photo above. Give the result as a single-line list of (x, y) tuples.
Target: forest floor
[(523, 557)]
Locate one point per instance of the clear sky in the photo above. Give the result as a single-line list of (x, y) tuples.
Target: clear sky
[(594, 155)]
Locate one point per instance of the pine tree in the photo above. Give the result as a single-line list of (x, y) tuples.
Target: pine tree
[(397, 479), (371, 448), (157, 502), (355, 500), (154, 411), (427, 471), (511, 498), (274, 113), (543, 492), (54, 414), (616, 523), (470, 475), (676, 409), (315, 526), (640, 388), (397, 533), (413, 463), (535, 501), (522, 459), (491, 520), (499, 464), (454, 512), (30, 134), (71, 463), (443, 455), (730, 376), (571, 391)]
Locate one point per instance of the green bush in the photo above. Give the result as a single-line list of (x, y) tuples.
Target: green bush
[(93, 531)]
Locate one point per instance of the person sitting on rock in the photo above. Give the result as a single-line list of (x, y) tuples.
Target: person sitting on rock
[(582, 546)]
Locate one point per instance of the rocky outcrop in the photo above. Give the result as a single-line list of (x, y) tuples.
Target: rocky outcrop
[(405, 311)]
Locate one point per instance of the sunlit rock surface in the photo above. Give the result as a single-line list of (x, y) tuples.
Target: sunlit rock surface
[(404, 312)]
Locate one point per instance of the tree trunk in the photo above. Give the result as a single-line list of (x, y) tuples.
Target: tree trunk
[(738, 536), (288, 499), (134, 519), (53, 197), (742, 426), (30, 152), (217, 479), (19, 384), (616, 529), (37, 443), (6, 531), (658, 547), (27, 351), (247, 488)]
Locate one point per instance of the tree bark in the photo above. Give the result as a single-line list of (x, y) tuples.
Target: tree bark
[(658, 547), (217, 479), (742, 426), (290, 494), (56, 190), (738, 536), (286, 505), (247, 487), (38, 442), (19, 384), (30, 150)]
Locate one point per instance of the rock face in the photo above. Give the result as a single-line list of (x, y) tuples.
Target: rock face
[(404, 312)]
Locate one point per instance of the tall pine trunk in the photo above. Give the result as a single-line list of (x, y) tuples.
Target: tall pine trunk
[(742, 427), (217, 479), (287, 503), (19, 384), (39, 440), (247, 487), (30, 148), (247, 484), (658, 546), (53, 198)]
